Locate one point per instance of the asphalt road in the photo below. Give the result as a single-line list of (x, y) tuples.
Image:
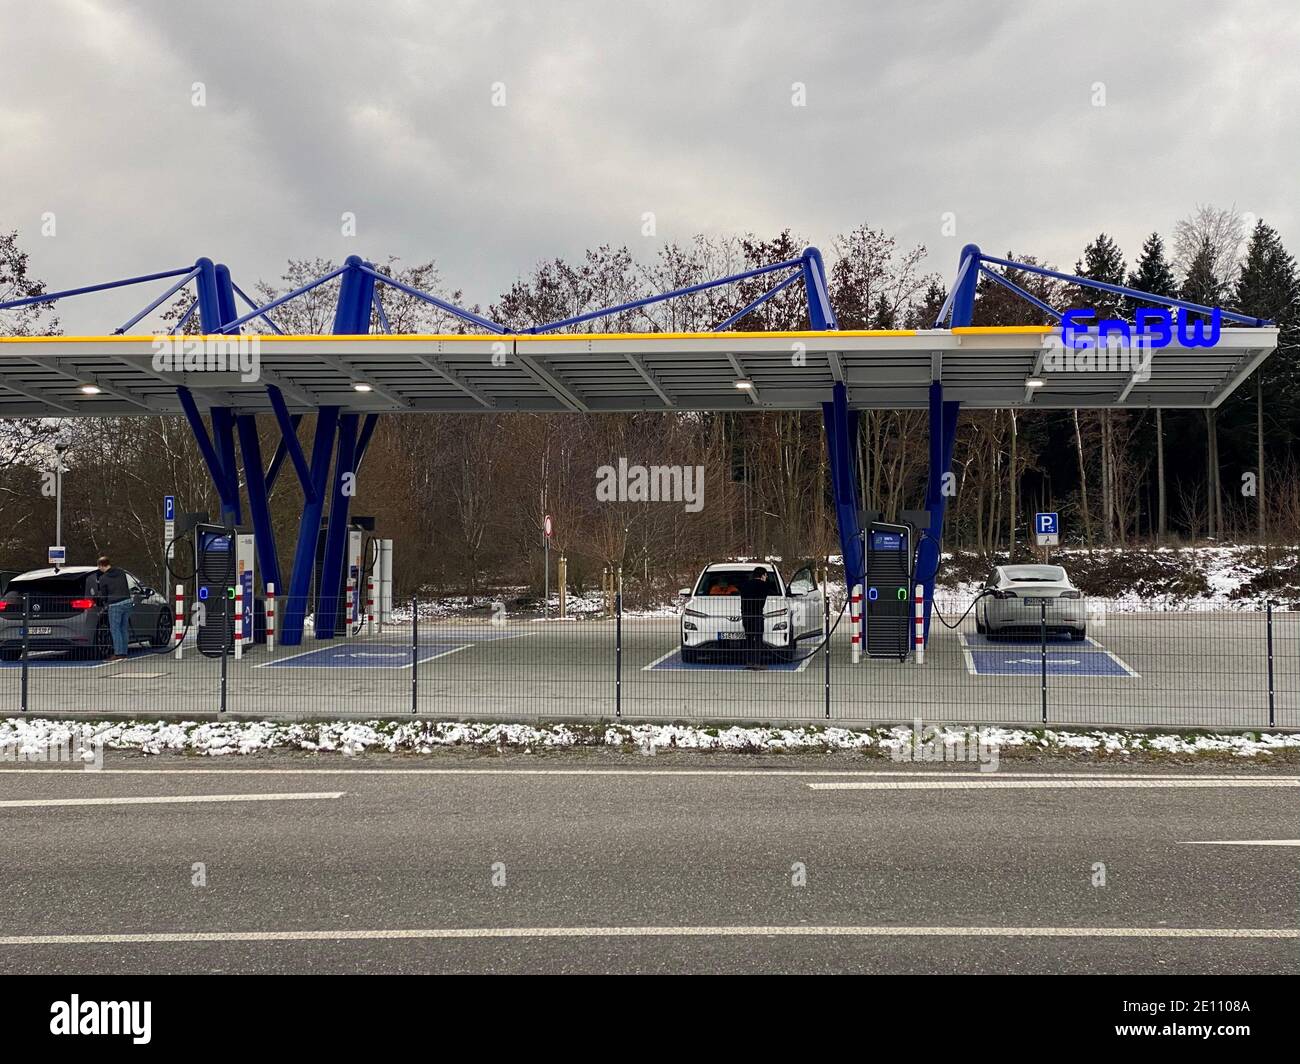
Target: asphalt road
[(667, 864), (1167, 669)]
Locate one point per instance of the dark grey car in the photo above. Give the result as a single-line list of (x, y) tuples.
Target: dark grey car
[(64, 615)]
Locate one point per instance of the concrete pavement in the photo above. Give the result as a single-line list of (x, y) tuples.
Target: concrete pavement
[(730, 844)]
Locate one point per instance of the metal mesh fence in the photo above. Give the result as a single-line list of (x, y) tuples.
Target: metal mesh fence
[(1231, 668)]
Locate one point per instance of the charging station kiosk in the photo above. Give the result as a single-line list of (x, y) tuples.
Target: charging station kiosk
[(223, 559), (888, 613)]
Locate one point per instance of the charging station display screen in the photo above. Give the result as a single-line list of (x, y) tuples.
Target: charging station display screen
[(889, 592)]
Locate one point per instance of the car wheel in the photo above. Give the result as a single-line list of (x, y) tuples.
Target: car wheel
[(980, 627), (103, 646), (163, 633), (11, 653), (1079, 634)]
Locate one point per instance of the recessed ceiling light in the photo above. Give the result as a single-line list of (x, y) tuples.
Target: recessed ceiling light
[(1034, 382), (90, 389), (360, 387), (744, 384)]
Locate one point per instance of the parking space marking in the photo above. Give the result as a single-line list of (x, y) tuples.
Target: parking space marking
[(673, 661), (1011, 657), (167, 799), (637, 931), (393, 656)]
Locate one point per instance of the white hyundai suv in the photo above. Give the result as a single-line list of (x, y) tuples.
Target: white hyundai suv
[(712, 619)]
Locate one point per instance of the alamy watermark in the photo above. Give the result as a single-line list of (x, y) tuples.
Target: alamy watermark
[(638, 483), (209, 354), (70, 750), (940, 743)]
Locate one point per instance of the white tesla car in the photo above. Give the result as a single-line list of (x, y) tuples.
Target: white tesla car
[(711, 617), (1014, 602)]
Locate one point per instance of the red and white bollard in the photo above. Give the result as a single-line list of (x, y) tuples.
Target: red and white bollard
[(370, 607), (349, 607), (270, 618), (178, 621), (239, 620), (855, 624), (918, 619)]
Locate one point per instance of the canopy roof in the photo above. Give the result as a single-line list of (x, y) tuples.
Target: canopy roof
[(606, 372)]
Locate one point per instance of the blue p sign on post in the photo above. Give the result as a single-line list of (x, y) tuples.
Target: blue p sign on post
[(1047, 528), (169, 524)]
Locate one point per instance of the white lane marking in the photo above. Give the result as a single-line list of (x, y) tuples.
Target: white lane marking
[(992, 784), (159, 799), (897, 774), (801, 931), (1244, 842)]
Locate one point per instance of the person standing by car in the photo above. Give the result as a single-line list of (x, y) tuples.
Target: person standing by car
[(753, 596), (110, 587)]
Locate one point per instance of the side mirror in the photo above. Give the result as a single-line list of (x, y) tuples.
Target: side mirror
[(684, 592), (801, 587)]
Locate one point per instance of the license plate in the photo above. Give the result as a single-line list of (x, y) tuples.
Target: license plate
[(724, 636), (44, 630)]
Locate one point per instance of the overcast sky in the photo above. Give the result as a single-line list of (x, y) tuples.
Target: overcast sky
[(385, 109)]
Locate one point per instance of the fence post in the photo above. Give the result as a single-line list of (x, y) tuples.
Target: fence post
[(1042, 644), (618, 643), (1268, 607), (415, 654), (27, 616), (826, 637)]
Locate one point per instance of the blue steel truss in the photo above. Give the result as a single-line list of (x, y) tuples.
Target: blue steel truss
[(340, 438)]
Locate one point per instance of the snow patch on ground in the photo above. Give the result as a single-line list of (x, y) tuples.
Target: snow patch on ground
[(24, 739)]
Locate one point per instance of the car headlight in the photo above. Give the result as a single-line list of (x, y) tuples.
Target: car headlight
[(689, 627), (780, 626), (784, 611), (695, 613)]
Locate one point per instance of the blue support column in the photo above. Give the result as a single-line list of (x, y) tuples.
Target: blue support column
[(351, 317), (209, 300), (259, 504), (841, 446), (309, 530), (223, 438), (820, 314), (943, 436), (336, 533)]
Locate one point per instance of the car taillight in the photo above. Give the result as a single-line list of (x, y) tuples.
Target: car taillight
[(1005, 594), (3, 606), (1071, 594), (82, 604)]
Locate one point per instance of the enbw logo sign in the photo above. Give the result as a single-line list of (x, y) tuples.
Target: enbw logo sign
[(1153, 329)]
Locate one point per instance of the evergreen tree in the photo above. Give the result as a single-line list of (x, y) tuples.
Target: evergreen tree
[(1202, 284), (1152, 272), (1102, 261)]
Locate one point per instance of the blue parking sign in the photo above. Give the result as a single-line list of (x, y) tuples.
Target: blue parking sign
[(1047, 524), (169, 507)]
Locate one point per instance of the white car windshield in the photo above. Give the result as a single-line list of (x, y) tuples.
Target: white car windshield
[(731, 581)]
